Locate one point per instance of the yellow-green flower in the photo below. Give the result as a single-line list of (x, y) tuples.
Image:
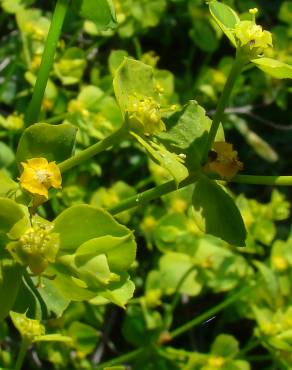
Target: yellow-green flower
[(252, 38), (37, 247), (39, 175), (28, 328), (145, 116)]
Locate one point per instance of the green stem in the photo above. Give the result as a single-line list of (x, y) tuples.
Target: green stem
[(148, 195), (170, 186), (206, 315), (169, 311), (263, 180), (34, 107), (94, 149), (122, 359), (138, 47), (222, 103), (21, 354)]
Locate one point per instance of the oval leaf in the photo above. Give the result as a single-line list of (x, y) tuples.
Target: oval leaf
[(10, 214), (43, 140), (133, 78), (217, 213), (274, 67), (10, 279), (100, 12), (80, 223), (225, 17)]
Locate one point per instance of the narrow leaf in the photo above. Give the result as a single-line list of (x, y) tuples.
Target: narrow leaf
[(225, 17), (217, 213), (274, 67)]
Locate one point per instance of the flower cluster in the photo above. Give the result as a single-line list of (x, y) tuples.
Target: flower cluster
[(145, 116), (251, 38), (37, 246)]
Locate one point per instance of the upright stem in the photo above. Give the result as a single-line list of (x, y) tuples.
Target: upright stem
[(238, 64), (34, 107), (122, 359), (91, 151), (21, 354), (206, 315)]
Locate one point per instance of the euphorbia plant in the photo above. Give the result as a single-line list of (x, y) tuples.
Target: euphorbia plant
[(84, 254)]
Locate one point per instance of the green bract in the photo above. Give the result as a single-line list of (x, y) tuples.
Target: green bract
[(250, 40)]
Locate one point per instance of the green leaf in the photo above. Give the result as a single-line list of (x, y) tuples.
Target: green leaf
[(171, 234), (66, 286), (119, 294), (7, 185), (120, 251), (7, 156), (225, 17), (115, 59), (133, 78), (274, 67), (43, 140), (10, 214), (134, 327), (10, 279), (96, 222), (204, 35), (29, 300), (180, 263), (187, 133), (101, 12), (225, 345), (217, 213), (71, 65), (84, 337), (170, 161), (55, 302)]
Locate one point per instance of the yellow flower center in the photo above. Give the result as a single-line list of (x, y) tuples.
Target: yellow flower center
[(39, 175), (144, 115), (43, 176)]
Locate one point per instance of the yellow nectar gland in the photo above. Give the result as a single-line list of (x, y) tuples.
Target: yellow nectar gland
[(39, 175)]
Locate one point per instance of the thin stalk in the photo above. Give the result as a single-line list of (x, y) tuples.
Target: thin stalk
[(170, 309), (121, 359), (170, 186), (34, 107), (148, 195), (91, 151), (263, 180), (21, 354), (237, 67), (206, 315)]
